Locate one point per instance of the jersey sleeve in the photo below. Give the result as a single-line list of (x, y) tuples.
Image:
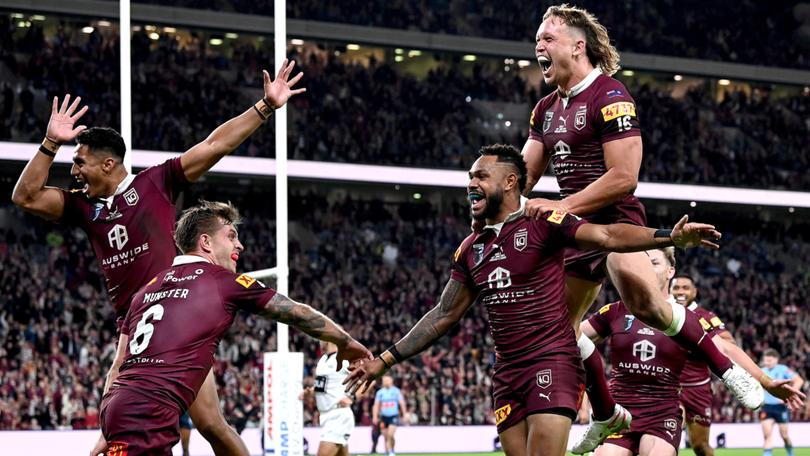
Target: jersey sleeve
[(169, 178), (716, 325), (615, 114), (536, 122), (378, 396), (563, 227), (241, 291), (74, 204), (458, 269), (787, 373), (600, 321)]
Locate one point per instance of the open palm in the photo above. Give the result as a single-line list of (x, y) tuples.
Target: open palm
[(279, 91), (60, 126)]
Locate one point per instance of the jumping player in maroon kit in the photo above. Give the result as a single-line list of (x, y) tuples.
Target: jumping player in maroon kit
[(647, 367), (175, 323), (696, 387), (588, 128), (129, 219), (514, 267)]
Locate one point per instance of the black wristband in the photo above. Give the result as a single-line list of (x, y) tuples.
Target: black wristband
[(45, 151), (663, 234), (259, 112), (397, 356)]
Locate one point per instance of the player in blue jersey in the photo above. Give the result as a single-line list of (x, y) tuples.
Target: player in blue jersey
[(775, 410), (389, 405)]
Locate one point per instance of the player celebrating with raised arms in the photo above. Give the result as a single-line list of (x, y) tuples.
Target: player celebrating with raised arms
[(129, 219), (589, 129), (515, 267), (174, 325)]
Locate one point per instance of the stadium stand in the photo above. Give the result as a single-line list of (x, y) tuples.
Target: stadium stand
[(635, 25), (184, 89), (56, 326)]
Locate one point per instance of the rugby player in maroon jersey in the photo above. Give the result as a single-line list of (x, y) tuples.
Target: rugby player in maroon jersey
[(129, 219), (175, 323), (589, 130), (646, 368), (515, 268), (696, 387)]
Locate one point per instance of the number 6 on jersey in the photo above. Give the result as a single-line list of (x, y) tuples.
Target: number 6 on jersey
[(144, 330)]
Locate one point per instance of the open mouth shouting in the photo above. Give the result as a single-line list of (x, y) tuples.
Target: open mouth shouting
[(545, 64), (477, 201)]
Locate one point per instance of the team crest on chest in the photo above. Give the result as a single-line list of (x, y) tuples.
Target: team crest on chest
[(478, 253), (547, 120), (581, 117), (131, 197), (521, 240)]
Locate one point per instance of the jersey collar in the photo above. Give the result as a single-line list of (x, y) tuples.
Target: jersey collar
[(693, 306), (514, 215), (187, 259), (581, 86), (123, 185)]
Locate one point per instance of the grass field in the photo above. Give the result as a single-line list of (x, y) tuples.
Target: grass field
[(718, 452)]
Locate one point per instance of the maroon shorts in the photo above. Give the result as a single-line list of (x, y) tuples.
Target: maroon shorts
[(551, 384), (662, 422), (697, 403), (135, 424), (590, 265)]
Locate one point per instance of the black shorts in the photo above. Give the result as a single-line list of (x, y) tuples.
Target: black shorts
[(776, 412), (386, 421)]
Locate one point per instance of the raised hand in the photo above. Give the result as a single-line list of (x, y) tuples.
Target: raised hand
[(279, 91), (60, 126), (362, 376), (536, 207), (687, 235)]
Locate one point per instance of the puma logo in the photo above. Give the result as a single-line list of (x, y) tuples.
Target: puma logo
[(545, 396), (670, 434)]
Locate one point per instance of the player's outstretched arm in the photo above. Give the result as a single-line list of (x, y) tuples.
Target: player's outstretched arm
[(30, 193), (453, 304), (622, 237), (228, 136), (316, 324), (783, 389)]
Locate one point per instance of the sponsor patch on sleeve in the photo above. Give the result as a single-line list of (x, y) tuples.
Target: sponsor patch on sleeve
[(502, 413), (245, 280), (716, 322), (531, 119), (457, 254), (705, 324), (618, 109), (117, 448), (604, 309), (556, 216), (154, 279)]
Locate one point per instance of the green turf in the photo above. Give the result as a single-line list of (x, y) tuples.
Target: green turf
[(718, 452)]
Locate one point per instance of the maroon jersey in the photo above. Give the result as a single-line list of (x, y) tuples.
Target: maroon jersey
[(597, 111), (174, 324), (696, 372), (132, 234), (645, 362), (517, 273)]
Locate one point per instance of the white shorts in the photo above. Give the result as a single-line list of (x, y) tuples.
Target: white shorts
[(337, 425)]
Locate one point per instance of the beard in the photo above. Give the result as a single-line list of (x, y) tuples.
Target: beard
[(492, 208)]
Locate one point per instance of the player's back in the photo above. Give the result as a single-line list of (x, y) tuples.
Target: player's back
[(329, 388), (175, 323), (132, 233), (573, 129)]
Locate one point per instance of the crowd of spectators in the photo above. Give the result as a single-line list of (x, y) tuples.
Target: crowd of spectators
[(374, 113), (374, 267), (700, 30)]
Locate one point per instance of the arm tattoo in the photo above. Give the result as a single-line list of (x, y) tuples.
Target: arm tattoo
[(437, 322), (303, 317)]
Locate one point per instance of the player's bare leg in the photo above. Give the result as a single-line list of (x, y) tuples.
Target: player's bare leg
[(783, 431), (329, 449), (699, 439), (767, 434), (610, 449), (651, 445), (513, 439), (208, 419), (609, 417), (634, 278), (547, 434), (185, 437), (343, 450), (389, 438)]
